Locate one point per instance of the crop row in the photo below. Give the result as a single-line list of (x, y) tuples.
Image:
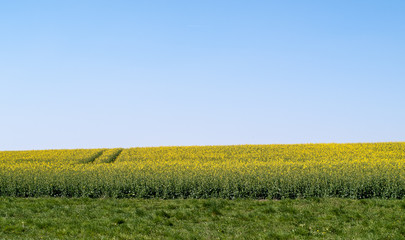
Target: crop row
[(244, 171)]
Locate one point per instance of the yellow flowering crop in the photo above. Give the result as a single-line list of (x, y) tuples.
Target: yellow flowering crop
[(252, 171)]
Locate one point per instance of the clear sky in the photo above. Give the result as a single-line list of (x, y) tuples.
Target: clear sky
[(90, 74)]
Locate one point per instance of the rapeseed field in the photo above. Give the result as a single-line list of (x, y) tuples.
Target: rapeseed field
[(363, 170)]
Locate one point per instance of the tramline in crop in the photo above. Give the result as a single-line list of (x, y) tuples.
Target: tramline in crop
[(244, 171)]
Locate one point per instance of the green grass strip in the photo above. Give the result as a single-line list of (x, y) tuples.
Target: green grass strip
[(106, 218)]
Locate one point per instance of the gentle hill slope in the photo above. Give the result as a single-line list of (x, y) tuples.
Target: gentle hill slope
[(241, 171)]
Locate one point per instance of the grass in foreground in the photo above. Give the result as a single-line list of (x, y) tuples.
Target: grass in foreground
[(317, 218)]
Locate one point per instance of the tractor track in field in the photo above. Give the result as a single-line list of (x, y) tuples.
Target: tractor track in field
[(97, 155), (115, 156), (105, 157)]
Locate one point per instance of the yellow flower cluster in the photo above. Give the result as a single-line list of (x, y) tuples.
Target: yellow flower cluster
[(253, 171)]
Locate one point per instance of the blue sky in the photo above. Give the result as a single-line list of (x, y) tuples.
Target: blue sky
[(90, 74)]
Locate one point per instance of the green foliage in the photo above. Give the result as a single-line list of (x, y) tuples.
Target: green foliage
[(356, 171), (108, 218)]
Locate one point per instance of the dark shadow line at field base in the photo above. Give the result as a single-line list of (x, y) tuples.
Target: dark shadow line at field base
[(95, 156), (115, 156)]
